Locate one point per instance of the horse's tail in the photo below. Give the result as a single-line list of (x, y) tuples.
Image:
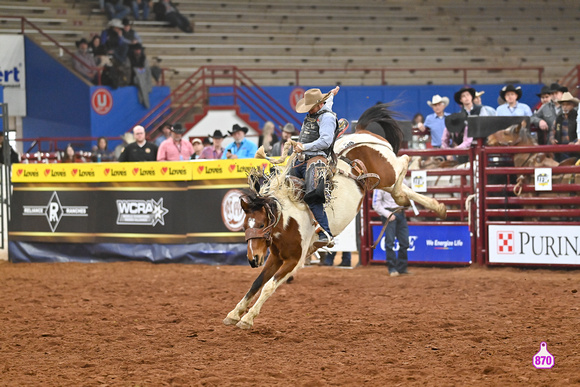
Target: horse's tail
[(379, 119)]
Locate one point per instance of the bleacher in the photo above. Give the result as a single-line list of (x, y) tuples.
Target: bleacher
[(342, 37)]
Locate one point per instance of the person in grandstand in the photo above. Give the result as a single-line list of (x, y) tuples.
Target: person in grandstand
[(241, 148), (84, 61), (477, 101), (385, 206), (165, 133), (288, 131), (315, 142), (175, 148), (141, 149), (215, 150), (436, 121), (512, 107)]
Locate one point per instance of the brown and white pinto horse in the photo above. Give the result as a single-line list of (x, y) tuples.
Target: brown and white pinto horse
[(279, 222)]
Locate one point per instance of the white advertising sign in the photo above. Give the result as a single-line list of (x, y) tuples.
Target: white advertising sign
[(554, 245), (419, 181), (543, 179), (12, 73)]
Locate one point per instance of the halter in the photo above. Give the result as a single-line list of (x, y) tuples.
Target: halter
[(265, 232)]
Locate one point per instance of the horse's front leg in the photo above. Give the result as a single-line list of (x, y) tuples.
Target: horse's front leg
[(288, 267), (272, 265)]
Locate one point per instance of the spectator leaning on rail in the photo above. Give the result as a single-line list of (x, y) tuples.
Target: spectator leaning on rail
[(216, 150), (511, 95), (197, 145), (175, 148), (141, 149), (545, 116), (436, 121), (241, 148), (315, 144), (565, 128)]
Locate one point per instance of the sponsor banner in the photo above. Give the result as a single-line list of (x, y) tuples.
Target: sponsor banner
[(444, 244), (546, 245), (227, 169), (12, 73), (101, 172)]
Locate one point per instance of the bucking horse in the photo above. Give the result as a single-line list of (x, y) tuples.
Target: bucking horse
[(278, 220)]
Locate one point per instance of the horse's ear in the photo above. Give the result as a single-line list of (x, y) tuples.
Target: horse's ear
[(524, 124), (245, 203), (518, 127)]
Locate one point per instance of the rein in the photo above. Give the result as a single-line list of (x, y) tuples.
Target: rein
[(265, 232)]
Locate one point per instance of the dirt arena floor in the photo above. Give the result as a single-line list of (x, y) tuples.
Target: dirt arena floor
[(139, 324)]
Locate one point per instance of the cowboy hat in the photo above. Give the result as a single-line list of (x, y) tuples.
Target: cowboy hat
[(117, 23), (289, 128), (311, 97), (237, 128), (457, 96), (505, 89), (438, 99), (456, 122), (178, 129), (568, 97), (545, 90), (128, 137), (479, 93), (556, 87), (217, 134), (196, 140)]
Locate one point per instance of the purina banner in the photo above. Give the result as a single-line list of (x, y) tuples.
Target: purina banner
[(442, 244), (12, 73), (553, 245)]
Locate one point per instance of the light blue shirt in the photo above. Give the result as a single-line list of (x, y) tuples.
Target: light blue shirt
[(436, 125), (521, 109), (247, 150), (326, 129)]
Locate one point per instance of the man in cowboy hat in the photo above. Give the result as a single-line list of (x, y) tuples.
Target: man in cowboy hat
[(241, 148), (175, 148), (315, 143), (165, 130), (465, 97), (84, 61), (565, 127), (288, 131), (477, 101), (436, 121), (511, 95), (141, 149), (546, 115), (214, 151)]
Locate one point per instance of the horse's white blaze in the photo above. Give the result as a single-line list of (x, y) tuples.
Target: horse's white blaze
[(251, 222)]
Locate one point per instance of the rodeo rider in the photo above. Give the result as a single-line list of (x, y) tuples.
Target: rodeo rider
[(315, 143)]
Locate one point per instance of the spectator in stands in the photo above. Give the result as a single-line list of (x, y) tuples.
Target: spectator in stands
[(197, 145), (512, 107), (564, 130), (141, 149), (385, 206), (140, 5), (84, 61), (140, 73), (165, 133), (546, 115), (545, 96), (98, 50), (165, 10), (14, 158), (101, 151), (214, 151), (435, 122), (115, 9), (127, 138), (465, 97), (69, 155), (241, 148), (268, 138), (477, 101), (175, 148), (112, 39), (129, 34), (288, 131)]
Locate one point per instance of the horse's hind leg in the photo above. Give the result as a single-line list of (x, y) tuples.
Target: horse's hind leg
[(288, 267), (272, 265), (400, 197)]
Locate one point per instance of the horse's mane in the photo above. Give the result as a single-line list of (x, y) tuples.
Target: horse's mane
[(274, 184), (378, 119), (255, 202)]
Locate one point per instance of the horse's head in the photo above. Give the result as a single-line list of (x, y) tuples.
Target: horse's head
[(514, 135), (262, 215)]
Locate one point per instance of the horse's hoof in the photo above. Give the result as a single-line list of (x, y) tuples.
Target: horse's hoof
[(442, 212), (244, 325), (230, 321)]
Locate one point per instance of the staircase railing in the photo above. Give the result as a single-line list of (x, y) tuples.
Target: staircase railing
[(211, 82), (571, 80)]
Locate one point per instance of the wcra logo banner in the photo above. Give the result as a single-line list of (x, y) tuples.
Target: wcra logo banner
[(544, 244)]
